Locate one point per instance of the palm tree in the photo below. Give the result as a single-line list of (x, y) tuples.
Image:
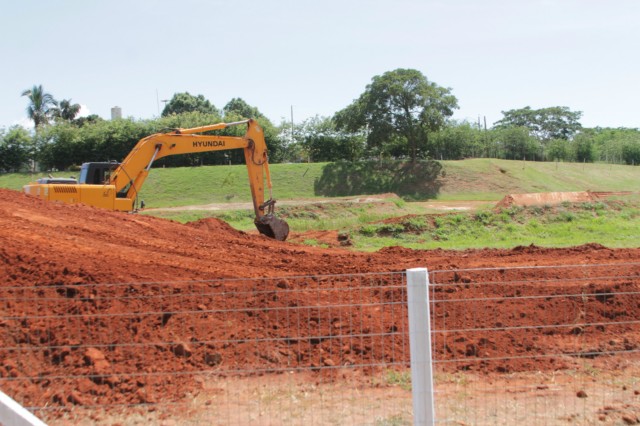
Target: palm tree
[(66, 110), (41, 105)]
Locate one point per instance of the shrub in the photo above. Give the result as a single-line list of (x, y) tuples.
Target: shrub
[(566, 217), (415, 224), (485, 217)]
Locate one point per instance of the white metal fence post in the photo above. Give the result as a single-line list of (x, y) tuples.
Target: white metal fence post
[(420, 346), (14, 414)]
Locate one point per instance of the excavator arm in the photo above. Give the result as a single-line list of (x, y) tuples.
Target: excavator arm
[(134, 169), (125, 182)]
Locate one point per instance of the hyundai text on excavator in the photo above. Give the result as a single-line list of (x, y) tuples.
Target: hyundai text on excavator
[(116, 186)]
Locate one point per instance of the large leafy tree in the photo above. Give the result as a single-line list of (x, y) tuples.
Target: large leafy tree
[(399, 110), (42, 105), (236, 110), (238, 107), (545, 124), (186, 102)]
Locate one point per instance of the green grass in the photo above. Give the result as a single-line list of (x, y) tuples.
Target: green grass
[(320, 217), (182, 186), (223, 184), (239, 219), (16, 181), (399, 378), (610, 224), (491, 179), (477, 179), (613, 224), (338, 216)]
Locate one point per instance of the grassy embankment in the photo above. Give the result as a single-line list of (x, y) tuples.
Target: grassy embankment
[(611, 224), (183, 186)]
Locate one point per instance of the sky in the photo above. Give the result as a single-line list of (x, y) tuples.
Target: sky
[(316, 57)]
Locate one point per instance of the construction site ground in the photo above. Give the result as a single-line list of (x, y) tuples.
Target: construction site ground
[(432, 205), (60, 246)]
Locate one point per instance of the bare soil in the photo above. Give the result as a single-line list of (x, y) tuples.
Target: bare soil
[(545, 198), (52, 242), (379, 198), (56, 246)]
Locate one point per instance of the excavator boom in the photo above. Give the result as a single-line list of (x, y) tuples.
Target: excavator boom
[(116, 187)]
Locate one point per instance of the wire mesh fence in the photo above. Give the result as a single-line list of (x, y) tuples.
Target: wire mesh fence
[(295, 350), (537, 345), (531, 345)]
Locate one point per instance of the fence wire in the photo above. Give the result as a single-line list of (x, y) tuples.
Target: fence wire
[(295, 350), (532, 345), (537, 345)]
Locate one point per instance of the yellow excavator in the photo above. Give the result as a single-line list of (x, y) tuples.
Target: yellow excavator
[(115, 186)]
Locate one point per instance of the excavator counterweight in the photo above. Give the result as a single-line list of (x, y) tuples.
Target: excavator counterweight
[(115, 186)]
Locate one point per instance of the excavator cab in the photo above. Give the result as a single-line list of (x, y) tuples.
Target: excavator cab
[(96, 173)]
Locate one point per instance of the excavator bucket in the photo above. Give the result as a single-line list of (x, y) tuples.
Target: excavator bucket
[(272, 227)]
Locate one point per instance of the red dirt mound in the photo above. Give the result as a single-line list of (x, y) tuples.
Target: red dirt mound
[(55, 247), (545, 198), (74, 243)]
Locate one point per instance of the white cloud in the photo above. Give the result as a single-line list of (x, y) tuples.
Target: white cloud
[(84, 111)]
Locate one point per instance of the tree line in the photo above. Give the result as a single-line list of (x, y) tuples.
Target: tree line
[(400, 115)]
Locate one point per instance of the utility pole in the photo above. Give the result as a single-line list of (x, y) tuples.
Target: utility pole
[(292, 124)]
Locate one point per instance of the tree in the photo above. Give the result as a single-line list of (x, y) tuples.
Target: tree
[(66, 111), (558, 149), (322, 142), (62, 146), (398, 110), (14, 149), (89, 119), (631, 152), (517, 144), (614, 145), (110, 140), (41, 105), (457, 141), (185, 102), (545, 124), (583, 149), (239, 107)]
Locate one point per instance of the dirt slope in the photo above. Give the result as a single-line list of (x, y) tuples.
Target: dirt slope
[(44, 242), (56, 247)]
